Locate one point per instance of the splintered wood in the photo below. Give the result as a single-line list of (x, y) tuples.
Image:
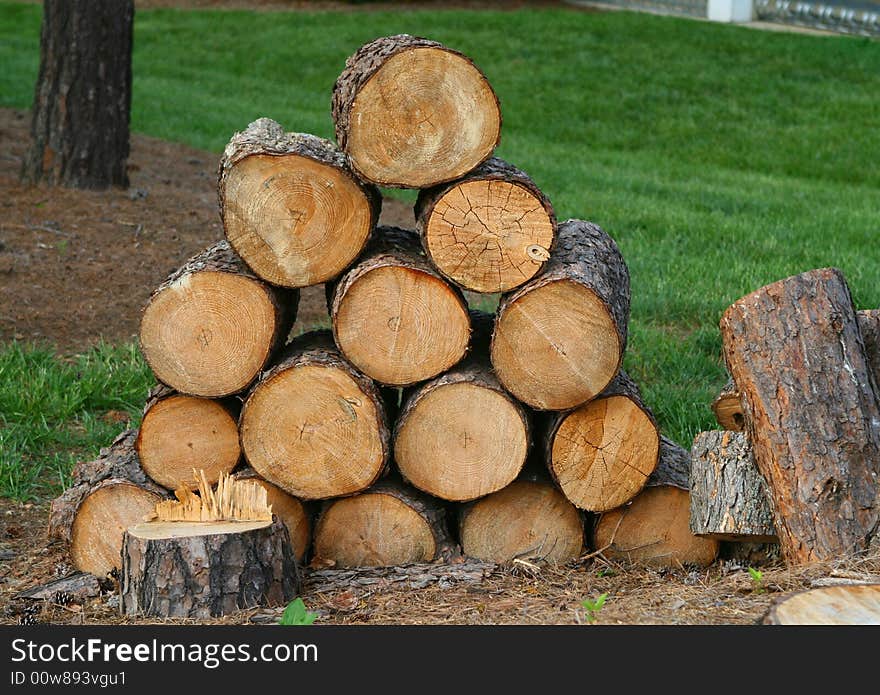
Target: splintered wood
[(231, 500)]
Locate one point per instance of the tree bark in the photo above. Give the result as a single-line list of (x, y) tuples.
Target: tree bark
[(541, 356), (82, 100), (602, 453), (412, 113), (212, 326), (389, 524), (795, 351), (219, 568), (673, 468), (728, 408), (394, 317), (313, 425), (869, 325), (729, 499), (461, 435), (489, 231), (291, 207), (413, 576)]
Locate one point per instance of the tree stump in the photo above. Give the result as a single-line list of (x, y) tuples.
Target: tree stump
[(538, 348), (853, 604), (729, 499), (291, 207), (490, 231), (206, 569), (394, 317), (313, 425), (728, 408), (389, 524), (181, 433), (602, 453), (461, 435), (212, 326), (527, 519), (412, 113), (795, 351)]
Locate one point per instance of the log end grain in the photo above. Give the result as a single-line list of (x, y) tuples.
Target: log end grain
[(852, 604)]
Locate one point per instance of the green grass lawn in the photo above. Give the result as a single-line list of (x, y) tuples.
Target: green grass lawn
[(720, 158)]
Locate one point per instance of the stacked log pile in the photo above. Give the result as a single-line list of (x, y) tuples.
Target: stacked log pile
[(416, 428)]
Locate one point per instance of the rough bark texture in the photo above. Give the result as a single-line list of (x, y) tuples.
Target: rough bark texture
[(795, 352), (80, 117), (414, 576), (728, 408), (729, 499), (77, 587), (831, 605), (119, 461), (266, 137), (363, 65), (586, 256), (869, 325), (673, 468), (207, 575), (495, 257)]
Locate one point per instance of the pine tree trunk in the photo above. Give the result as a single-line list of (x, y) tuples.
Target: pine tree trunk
[(795, 351), (291, 207), (490, 231), (411, 113), (80, 117), (539, 350)]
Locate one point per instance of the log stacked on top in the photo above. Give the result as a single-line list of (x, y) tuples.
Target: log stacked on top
[(407, 380)]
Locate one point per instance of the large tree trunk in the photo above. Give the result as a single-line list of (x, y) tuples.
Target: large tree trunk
[(82, 99), (490, 231), (394, 317), (180, 434), (602, 453), (796, 354), (412, 113), (291, 207), (313, 425), (212, 326), (527, 519), (206, 569), (729, 499), (539, 349), (461, 436), (388, 524)]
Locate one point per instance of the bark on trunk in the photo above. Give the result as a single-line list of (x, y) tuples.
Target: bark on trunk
[(411, 113), (212, 326), (602, 453), (490, 231), (541, 355), (313, 425), (82, 101), (728, 408), (869, 325), (461, 435), (795, 351), (414, 576), (729, 499), (291, 207), (389, 524), (394, 317), (673, 468), (221, 568)]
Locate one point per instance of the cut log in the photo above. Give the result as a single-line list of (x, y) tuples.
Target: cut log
[(291, 207), (527, 519), (869, 326), (602, 453), (559, 339), (212, 326), (854, 604), (653, 530), (200, 570), (461, 436), (490, 231), (77, 588), (411, 113), (728, 408), (795, 352), (118, 462), (181, 433), (293, 512), (100, 521), (313, 425), (413, 576), (729, 499), (387, 525), (394, 317)]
